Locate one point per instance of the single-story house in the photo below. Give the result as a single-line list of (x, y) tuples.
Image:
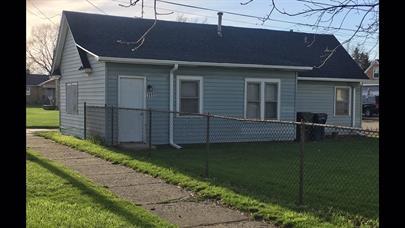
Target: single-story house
[(232, 71), (39, 89)]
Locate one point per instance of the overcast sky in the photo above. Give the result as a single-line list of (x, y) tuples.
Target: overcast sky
[(52, 9)]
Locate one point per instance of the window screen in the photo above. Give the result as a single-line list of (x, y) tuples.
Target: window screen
[(342, 101), (271, 101), (253, 100), (71, 98), (189, 96)]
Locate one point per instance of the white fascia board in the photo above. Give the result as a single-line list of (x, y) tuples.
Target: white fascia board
[(63, 28), (185, 63), (91, 53), (330, 79)]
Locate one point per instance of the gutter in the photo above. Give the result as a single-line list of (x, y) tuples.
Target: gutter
[(330, 79), (190, 63), (171, 104)]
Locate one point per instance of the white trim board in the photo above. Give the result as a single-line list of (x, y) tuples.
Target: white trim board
[(201, 91), (330, 79), (262, 82), (190, 63)]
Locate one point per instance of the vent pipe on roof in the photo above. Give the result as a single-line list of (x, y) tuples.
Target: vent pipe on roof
[(219, 31)]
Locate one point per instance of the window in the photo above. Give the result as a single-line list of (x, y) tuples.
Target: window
[(342, 100), (253, 100), (262, 99), (271, 100), (71, 98), (27, 91), (189, 94), (376, 74)]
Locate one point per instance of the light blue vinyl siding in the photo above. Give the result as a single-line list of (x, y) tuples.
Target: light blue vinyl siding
[(91, 89), (223, 94), (316, 96)]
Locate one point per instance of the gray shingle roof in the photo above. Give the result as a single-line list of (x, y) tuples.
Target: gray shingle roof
[(35, 79), (200, 43)]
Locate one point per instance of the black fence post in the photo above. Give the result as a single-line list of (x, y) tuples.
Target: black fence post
[(301, 168), (112, 125), (84, 120), (207, 144), (150, 131)]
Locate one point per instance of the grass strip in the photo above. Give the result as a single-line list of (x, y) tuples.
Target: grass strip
[(277, 214)]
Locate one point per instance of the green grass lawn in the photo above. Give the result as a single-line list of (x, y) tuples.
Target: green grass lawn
[(342, 174), (37, 117), (59, 197), (340, 180)]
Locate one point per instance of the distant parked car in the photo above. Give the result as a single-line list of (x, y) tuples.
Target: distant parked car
[(370, 110)]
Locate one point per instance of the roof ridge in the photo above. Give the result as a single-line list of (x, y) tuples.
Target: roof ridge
[(194, 23)]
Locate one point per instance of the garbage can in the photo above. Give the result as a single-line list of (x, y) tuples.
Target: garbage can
[(307, 117), (318, 132)]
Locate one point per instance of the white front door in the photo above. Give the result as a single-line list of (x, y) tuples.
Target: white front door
[(131, 122)]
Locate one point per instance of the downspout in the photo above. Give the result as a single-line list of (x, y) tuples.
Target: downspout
[(171, 103)]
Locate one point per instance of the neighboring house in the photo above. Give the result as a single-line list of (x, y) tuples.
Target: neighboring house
[(39, 89), (243, 72), (370, 89), (373, 71)]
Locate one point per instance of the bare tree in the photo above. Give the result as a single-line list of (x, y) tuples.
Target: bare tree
[(331, 15), (138, 43), (40, 48)]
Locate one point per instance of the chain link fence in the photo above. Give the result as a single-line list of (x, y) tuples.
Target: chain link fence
[(321, 167)]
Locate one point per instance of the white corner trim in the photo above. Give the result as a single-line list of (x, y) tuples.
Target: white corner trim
[(330, 79), (201, 91), (191, 63), (350, 100), (262, 82), (354, 108)]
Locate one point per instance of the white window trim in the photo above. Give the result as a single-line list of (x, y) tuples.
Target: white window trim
[(350, 100), (262, 82), (28, 91), (66, 85), (201, 93)]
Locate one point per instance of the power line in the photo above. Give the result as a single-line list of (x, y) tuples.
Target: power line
[(263, 19), (236, 21), (46, 17), (213, 17), (31, 12), (98, 8)]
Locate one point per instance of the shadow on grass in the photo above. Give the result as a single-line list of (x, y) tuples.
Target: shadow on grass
[(99, 198)]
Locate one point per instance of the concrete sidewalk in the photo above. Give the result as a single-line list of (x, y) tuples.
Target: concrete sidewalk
[(168, 201)]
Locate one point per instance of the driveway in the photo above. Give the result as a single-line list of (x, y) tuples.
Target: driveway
[(370, 123)]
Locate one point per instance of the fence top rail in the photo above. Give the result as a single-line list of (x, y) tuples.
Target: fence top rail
[(245, 120)]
